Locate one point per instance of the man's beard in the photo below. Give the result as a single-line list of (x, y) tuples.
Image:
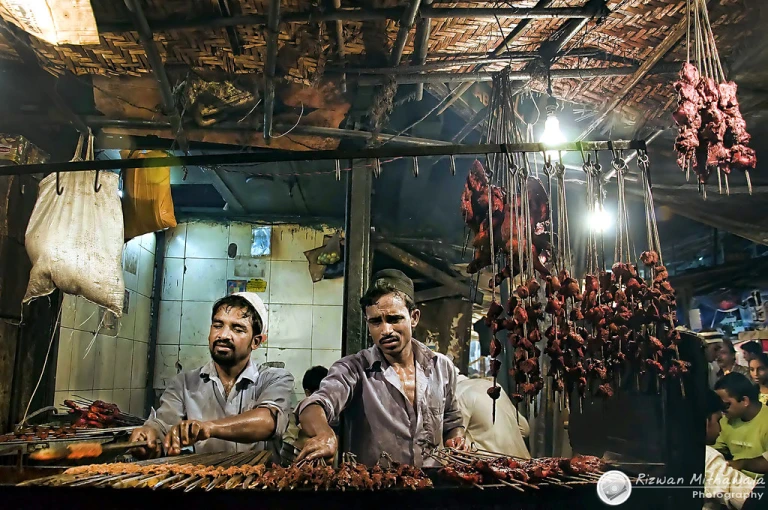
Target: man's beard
[(225, 360)]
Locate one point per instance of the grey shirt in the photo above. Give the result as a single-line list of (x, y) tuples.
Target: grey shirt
[(199, 395), (367, 388)]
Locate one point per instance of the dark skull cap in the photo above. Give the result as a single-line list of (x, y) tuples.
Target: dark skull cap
[(396, 279)]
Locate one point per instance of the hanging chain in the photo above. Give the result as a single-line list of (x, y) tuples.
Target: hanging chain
[(652, 231)]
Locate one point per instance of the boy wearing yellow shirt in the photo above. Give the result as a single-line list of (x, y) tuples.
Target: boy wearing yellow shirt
[(744, 427)]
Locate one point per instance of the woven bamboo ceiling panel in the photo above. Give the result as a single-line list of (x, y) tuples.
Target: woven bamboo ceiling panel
[(633, 29)]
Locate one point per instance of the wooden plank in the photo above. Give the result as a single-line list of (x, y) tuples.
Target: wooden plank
[(436, 293), (661, 50), (461, 288)]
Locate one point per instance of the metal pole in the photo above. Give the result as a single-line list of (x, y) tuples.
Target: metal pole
[(357, 259), (406, 23), (421, 46), (273, 30), (390, 13), (241, 158)]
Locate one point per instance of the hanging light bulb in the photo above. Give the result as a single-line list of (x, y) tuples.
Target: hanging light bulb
[(552, 134), (599, 219)]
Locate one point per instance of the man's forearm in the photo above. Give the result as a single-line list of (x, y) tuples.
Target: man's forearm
[(756, 465), (314, 422), (454, 432), (249, 427)]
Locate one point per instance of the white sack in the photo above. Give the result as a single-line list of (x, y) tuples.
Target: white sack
[(75, 240)]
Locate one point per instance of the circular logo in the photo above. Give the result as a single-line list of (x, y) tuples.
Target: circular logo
[(614, 488)]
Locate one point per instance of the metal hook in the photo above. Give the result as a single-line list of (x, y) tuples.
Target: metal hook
[(452, 164), (59, 190), (415, 166), (96, 185), (338, 170)]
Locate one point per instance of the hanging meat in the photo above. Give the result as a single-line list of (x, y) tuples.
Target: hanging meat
[(474, 210), (712, 134)]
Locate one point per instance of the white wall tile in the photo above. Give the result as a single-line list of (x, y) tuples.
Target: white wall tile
[(297, 361), (195, 322), (166, 358), (86, 315), (169, 323), (60, 396), (175, 241), (288, 326), (137, 402), (143, 312), (259, 356), (325, 358), (289, 242), (192, 357), (81, 372), (131, 260), (104, 366), (127, 324), (248, 267), (123, 363), (241, 234), (68, 311), (104, 395), (64, 358), (207, 240), (329, 292), (207, 281), (290, 283), (173, 279), (149, 242), (123, 399), (139, 366), (326, 327), (146, 275)]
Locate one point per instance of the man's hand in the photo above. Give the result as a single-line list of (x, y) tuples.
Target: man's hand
[(186, 433), (321, 446), (151, 437), (737, 464), (457, 442)]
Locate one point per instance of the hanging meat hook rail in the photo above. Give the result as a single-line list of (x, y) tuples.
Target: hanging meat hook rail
[(243, 158)]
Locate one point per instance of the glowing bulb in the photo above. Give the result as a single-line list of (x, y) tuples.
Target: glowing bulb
[(120, 193), (552, 134), (599, 219)]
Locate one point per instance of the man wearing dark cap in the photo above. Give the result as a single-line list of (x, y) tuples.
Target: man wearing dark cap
[(398, 395)]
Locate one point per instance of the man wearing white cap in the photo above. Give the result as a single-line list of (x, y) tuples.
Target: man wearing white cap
[(229, 404)]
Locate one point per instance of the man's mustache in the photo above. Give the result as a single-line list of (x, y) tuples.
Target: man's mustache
[(224, 343)]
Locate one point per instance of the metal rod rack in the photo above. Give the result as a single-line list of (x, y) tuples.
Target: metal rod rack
[(240, 158)]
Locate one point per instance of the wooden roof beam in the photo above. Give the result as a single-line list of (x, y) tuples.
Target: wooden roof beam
[(157, 68), (678, 32), (19, 41)]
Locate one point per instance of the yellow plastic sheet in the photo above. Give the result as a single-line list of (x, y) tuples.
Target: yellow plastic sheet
[(147, 202)]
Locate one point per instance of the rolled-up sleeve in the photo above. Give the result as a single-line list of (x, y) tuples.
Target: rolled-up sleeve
[(335, 390), (171, 410), (452, 417), (276, 395)]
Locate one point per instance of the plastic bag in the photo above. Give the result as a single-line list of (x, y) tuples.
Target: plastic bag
[(147, 201), (75, 239), (331, 253)]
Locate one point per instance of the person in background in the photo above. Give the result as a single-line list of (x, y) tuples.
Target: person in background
[(294, 437), (726, 360), (312, 379), (397, 396), (229, 404), (506, 435), (744, 428), (713, 342), (758, 371), (750, 350), (722, 483)]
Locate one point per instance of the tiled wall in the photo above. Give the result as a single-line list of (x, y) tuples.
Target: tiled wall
[(115, 368), (304, 317)]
